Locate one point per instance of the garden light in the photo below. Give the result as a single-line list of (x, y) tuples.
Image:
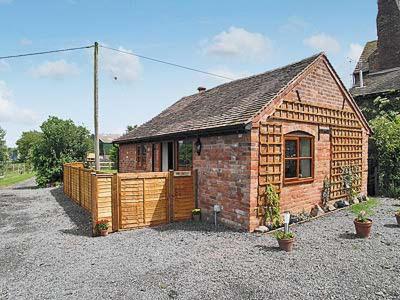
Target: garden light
[(286, 220)]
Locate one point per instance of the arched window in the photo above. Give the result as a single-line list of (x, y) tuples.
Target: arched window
[(299, 157)]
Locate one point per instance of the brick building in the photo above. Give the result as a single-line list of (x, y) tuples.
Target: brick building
[(377, 73), (291, 127)]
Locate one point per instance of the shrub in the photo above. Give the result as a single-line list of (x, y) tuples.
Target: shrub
[(61, 142), (386, 146), (272, 206)]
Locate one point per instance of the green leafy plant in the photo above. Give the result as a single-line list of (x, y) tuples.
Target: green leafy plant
[(102, 224), (61, 141), (326, 191), (350, 176), (364, 210), (196, 211), (272, 206), (281, 235)]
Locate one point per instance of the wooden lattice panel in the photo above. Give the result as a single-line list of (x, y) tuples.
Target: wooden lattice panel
[(307, 113), (346, 152), (270, 157)]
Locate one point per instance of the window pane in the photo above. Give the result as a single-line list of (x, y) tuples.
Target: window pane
[(290, 148), (185, 150), (305, 147), (290, 168), (305, 168)]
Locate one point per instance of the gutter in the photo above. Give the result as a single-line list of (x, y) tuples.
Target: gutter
[(232, 129)]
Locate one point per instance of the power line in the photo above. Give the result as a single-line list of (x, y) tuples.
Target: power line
[(45, 52), (166, 62)]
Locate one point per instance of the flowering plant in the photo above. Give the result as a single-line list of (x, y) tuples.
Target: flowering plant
[(281, 235), (362, 216), (102, 224)]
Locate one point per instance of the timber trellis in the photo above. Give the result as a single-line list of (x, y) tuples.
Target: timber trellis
[(346, 144), (132, 200)]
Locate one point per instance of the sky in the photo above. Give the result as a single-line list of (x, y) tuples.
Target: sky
[(231, 38)]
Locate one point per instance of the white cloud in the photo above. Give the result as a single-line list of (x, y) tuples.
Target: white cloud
[(6, 1), (25, 42), (4, 66), (240, 43), (57, 69), (226, 72), (355, 52), (323, 42), (123, 67), (10, 112)]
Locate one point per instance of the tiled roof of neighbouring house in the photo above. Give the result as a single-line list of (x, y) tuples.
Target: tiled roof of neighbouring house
[(378, 82), (225, 106), (108, 138), (363, 62)]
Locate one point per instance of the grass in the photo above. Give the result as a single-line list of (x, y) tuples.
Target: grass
[(366, 206), (112, 171), (13, 178)]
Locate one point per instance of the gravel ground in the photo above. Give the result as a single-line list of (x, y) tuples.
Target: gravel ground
[(46, 252)]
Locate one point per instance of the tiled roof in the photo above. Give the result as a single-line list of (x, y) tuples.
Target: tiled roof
[(108, 138), (230, 104), (363, 62), (378, 82)]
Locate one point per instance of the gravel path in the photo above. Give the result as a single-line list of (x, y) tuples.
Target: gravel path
[(46, 252)]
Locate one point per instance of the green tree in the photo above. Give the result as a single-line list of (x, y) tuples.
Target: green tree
[(61, 141), (114, 153), (26, 143), (386, 146), (130, 128), (3, 146)]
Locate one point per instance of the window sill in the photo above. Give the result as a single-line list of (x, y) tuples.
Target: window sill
[(298, 181)]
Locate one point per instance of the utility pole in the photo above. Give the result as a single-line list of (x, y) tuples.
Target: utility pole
[(96, 108)]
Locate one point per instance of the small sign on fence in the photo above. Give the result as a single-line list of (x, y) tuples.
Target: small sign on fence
[(182, 173)]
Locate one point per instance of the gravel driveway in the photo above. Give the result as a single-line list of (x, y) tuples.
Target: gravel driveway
[(46, 252)]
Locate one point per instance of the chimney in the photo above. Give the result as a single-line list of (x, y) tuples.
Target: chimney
[(388, 26), (201, 89)]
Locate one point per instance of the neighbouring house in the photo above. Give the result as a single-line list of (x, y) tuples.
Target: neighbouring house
[(106, 144), (377, 73), (291, 127)]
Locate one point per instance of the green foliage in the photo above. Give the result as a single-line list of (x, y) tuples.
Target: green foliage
[(386, 142), (196, 211), (102, 224), (61, 142), (114, 153), (26, 143), (272, 206), (326, 191), (130, 128), (364, 209), (350, 177), (387, 106), (3, 146), (281, 235)]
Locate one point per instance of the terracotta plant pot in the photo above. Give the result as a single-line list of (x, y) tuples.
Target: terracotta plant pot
[(398, 219), (104, 232), (196, 218), (286, 244), (363, 229)]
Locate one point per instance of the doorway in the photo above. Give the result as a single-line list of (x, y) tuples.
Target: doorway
[(167, 157)]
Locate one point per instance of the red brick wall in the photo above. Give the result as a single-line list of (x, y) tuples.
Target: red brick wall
[(318, 87), (224, 177), (127, 158)]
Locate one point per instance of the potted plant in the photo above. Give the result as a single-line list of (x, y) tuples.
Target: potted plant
[(196, 214), (363, 224), (102, 227), (285, 240), (398, 217)]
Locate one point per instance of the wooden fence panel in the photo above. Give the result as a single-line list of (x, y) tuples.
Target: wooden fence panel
[(183, 195)]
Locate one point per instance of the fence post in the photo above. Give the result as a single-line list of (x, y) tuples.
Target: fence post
[(170, 196), (115, 202)]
